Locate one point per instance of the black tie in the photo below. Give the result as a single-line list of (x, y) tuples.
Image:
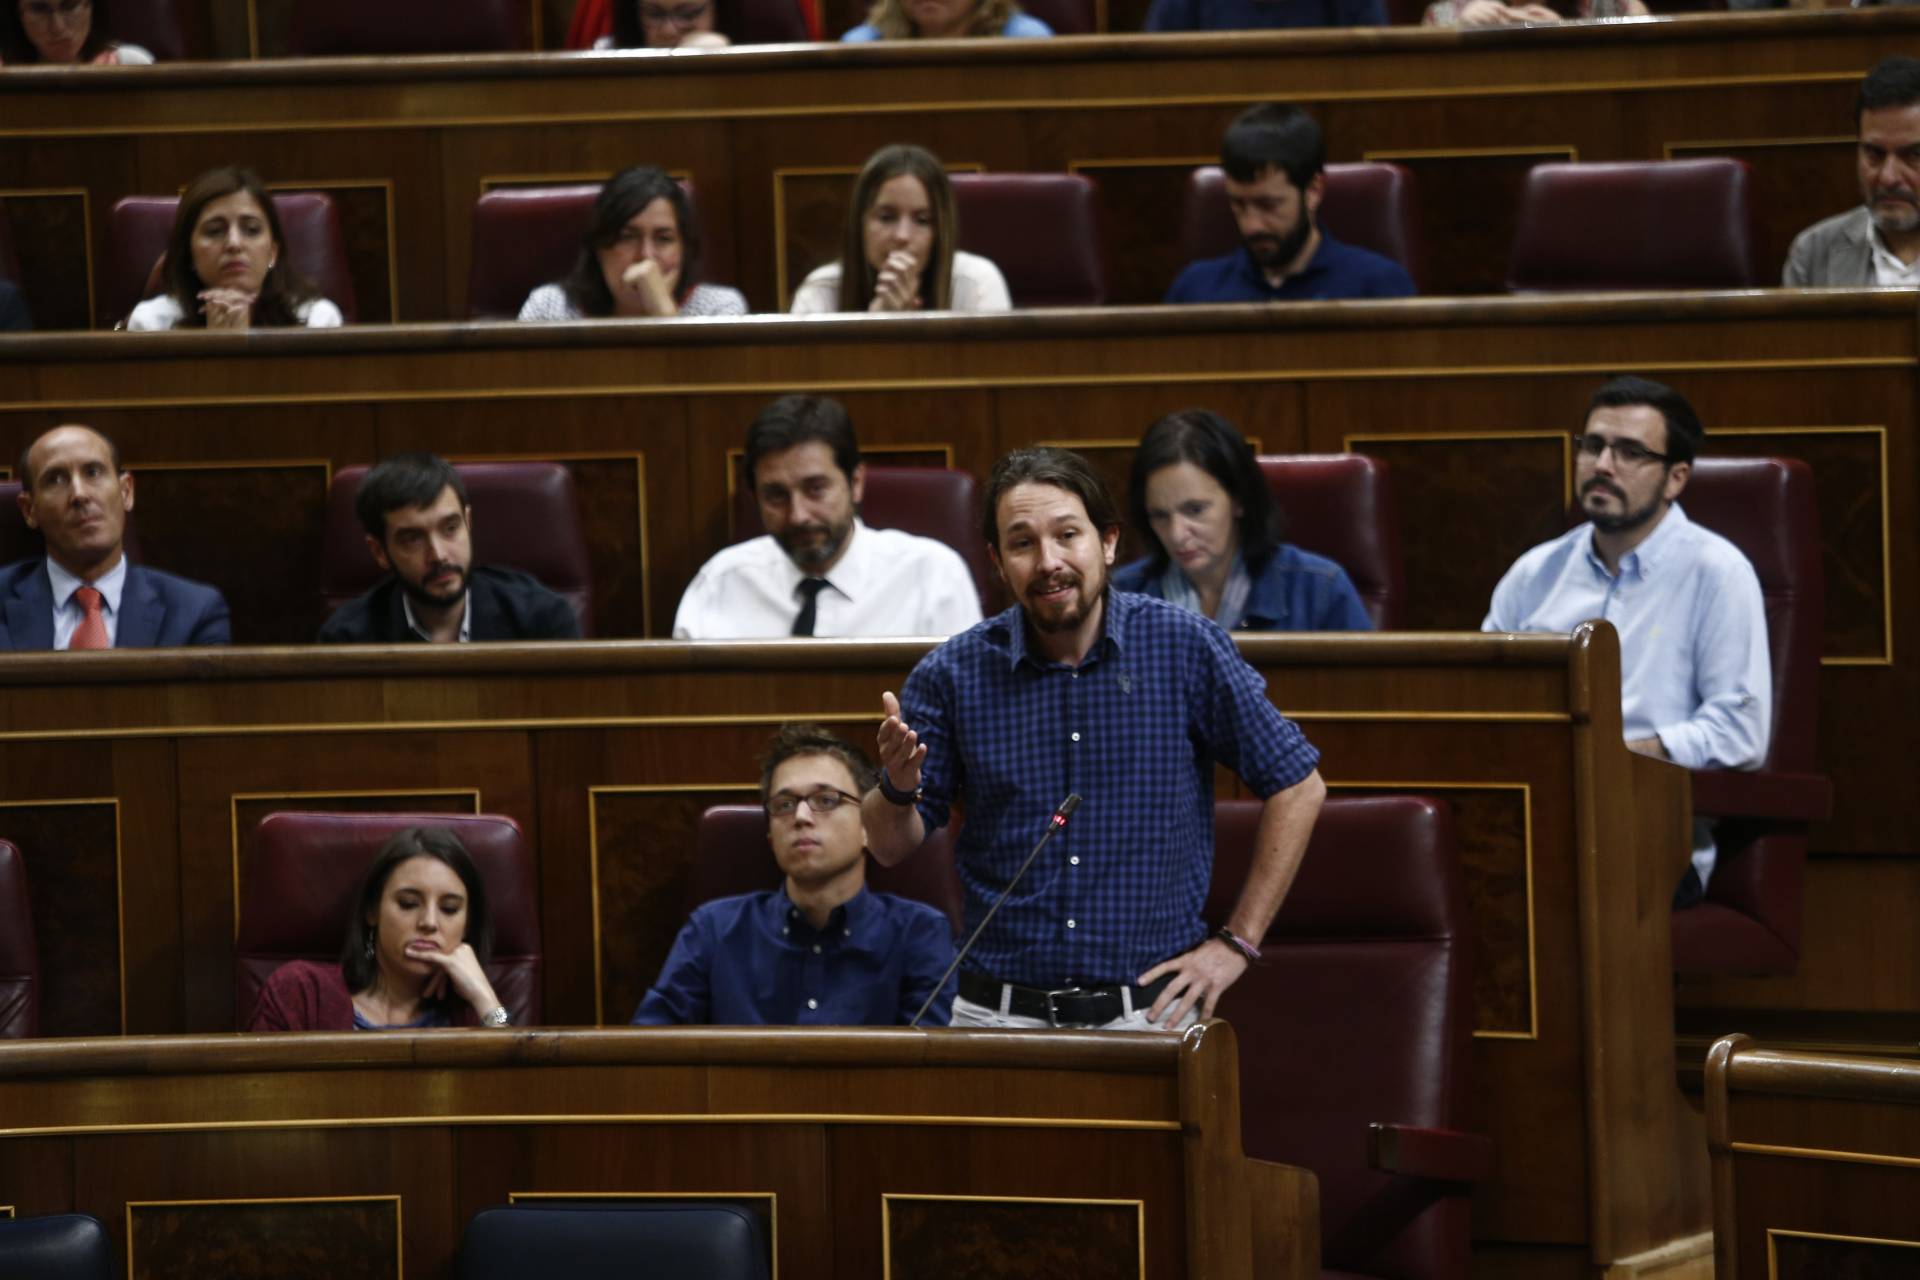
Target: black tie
[(811, 589)]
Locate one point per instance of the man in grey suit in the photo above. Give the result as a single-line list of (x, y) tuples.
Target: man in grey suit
[(1878, 242)]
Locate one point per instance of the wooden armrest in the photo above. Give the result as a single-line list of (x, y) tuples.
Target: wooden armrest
[(1445, 1155), (1791, 797), (1286, 1220)]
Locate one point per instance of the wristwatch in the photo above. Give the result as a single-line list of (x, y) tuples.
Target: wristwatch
[(895, 795), (494, 1017)]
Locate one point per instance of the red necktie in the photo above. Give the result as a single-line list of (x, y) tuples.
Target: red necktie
[(92, 631)]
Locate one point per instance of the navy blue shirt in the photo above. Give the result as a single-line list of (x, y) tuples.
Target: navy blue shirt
[(1255, 15), (1295, 591), (1135, 730), (1336, 270), (755, 960)]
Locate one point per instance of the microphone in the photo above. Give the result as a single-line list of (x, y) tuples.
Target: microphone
[(1057, 821)]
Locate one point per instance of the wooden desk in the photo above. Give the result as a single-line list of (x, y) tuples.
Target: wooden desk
[(129, 779), (868, 1152), (771, 137)]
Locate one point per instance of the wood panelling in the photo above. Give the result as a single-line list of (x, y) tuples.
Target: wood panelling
[(927, 1235), (72, 852), (49, 230), (304, 1239)]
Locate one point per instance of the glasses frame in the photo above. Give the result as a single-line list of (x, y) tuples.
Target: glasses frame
[(846, 797), (1641, 455), (63, 12)]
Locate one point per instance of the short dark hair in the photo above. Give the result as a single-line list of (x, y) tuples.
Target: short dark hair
[(1061, 468), (23, 470), (1211, 443), (356, 965), (404, 480), (620, 200), (1273, 136), (794, 420), (811, 740), (1893, 82), (1684, 432)]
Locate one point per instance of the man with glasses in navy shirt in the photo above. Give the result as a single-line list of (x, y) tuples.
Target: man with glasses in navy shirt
[(1696, 684), (823, 949), (1126, 701)]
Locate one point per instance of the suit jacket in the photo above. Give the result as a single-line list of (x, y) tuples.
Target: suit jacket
[(506, 605), (157, 610), (1834, 253)]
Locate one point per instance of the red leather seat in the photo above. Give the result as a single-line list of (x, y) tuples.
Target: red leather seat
[(1649, 224), (1360, 1016), (154, 25), (323, 28), (1750, 919), (19, 958), (524, 237), (1340, 505), (763, 22), (731, 856), (137, 227), (526, 516), (301, 873), (933, 502), (1066, 17), (1374, 206), (1041, 229)]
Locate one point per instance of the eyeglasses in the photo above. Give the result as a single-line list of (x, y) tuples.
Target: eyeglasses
[(683, 16), (44, 12), (1628, 453), (784, 804)]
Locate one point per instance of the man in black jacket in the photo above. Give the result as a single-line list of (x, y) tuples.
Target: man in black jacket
[(419, 529)]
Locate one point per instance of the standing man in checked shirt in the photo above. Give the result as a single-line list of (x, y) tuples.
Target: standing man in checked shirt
[(1127, 701)]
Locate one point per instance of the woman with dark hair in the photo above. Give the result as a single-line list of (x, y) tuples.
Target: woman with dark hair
[(640, 257), (72, 32), (898, 252), (1197, 496), (671, 24), (945, 19), (416, 943), (226, 264)]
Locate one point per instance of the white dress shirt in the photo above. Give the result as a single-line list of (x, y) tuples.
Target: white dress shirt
[(1888, 271), (1694, 666), (67, 613), (977, 286), (886, 583)]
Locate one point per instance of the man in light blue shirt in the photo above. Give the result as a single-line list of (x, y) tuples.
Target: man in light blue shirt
[(1696, 684)]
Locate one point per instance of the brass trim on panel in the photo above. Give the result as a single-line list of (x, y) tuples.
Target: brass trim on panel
[(1723, 144), (574, 177), (1143, 162), (1526, 808), (771, 1197), (888, 1197), (1774, 1233), (1820, 1153), (7, 1209), (693, 1118), (393, 230), (593, 846), (233, 816), (253, 30), (86, 229), (1571, 152), (119, 875), (399, 1227)]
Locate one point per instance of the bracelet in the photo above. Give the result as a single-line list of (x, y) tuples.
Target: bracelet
[(895, 795), (1238, 943), (494, 1017)]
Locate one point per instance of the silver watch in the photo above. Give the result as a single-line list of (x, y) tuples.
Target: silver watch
[(494, 1017)]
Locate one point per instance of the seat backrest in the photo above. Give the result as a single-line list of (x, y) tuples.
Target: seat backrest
[(524, 237), (58, 1246), (1041, 229), (1644, 224), (1340, 505), (323, 28), (154, 25), (763, 22), (19, 956), (1066, 17), (302, 869), (933, 502), (1375, 206), (1766, 507), (613, 1241), (137, 229), (731, 856), (526, 516), (1360, 1012)]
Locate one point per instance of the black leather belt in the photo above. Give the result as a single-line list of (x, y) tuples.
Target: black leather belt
[(1066, 1007)]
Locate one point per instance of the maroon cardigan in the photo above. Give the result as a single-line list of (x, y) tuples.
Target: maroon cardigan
[(304, 996)]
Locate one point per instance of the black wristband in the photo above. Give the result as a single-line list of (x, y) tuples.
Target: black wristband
[(894, 795)]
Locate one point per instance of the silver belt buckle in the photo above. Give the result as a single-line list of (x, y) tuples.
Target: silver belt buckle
[(1053, 1014)]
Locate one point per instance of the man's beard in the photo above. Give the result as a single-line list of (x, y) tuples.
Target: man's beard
[(1902, 217), (1272, 253), (1622, 520), (1076, 612), (420, 594), (812, 555)]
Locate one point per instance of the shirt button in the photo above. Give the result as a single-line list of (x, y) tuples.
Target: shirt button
[(846, 933), (1069, 924), (816, 948), (813, 1004), (1074, 860), (784, 932), (1076, 737)]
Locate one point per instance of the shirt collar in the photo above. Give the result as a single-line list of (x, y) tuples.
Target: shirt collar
[(1317, 263), (849, 573), (110, 584), (1009, 627), (1886, 261), (413, 624), (1647, 558), (856, 920)]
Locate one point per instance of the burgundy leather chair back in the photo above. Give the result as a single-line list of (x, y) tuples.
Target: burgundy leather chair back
[(9, 259), (764, 22), (1375, 206), (154, 25), (526, 516), (1340, 505), (19, 957), (1066, 17), (933, 502), (1645, 224), (731, 856), (1041, 229), (1361, 1012), (19, 542), (301, 873), (137, 229), (524, 237), (323, 28)]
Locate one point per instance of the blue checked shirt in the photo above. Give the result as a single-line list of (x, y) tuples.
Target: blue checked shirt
[(1136, 729)]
